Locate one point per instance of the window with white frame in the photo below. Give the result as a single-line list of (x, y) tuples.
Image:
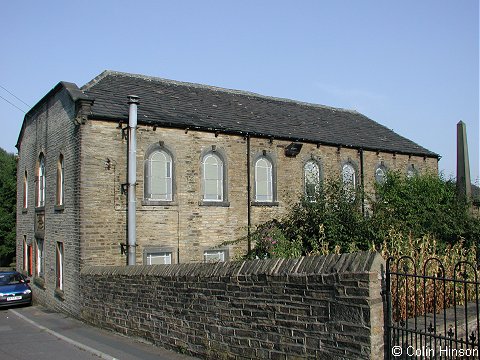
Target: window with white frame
[(60, 181), (41, 181), (59, 270), (25, 190), (311, 172), (263, 180), (159, 176), (40, 266), (214, 256), (158, 257), (212, 184)]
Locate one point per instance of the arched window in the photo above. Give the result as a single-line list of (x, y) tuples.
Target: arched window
[(311, 172), (41, 181), (263, 180), (348, 176), (381, 174), (411, 171), (60, 182), (158, 176), (25, 190), (212, 176), (349, 180)]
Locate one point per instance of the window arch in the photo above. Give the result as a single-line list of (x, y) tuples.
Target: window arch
[(212, 177), (25, 190), (311, 174), (41, 181), (158, 184), (60, 181), (264, 180)]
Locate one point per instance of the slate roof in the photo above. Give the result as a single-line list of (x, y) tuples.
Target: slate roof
[(186, 105)]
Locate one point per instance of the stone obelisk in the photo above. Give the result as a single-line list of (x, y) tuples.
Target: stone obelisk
[(464, 185)]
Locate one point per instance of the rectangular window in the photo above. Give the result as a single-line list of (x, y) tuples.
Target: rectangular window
[(25, 191), (214, 255), (41, 182), (25, 254), (39, 259), (154, 258), (60, 266), (60, 182), (29, 260)]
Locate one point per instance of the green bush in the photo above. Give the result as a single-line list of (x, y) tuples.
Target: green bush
[(420, 207)]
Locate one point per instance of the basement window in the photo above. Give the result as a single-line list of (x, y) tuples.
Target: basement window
[(155, 258), (212, 256)]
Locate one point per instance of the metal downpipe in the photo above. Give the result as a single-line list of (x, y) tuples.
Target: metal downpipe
[(132, 180)]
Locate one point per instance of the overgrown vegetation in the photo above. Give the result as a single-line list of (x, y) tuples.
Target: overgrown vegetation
[(419, 217), (8, 193), (424, 206)]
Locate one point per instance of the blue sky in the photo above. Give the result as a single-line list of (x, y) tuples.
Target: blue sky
[(410, 65)]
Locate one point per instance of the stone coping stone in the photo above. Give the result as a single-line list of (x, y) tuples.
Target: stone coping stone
[(360, 262)]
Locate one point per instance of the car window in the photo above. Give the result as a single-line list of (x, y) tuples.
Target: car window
[(10, 279)]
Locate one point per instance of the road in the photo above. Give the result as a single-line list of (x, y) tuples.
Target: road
[(36, 333)]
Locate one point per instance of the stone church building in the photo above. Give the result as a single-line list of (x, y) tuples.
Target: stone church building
[(212, 163)]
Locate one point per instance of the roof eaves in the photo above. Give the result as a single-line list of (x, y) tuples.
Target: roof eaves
[(176, 125)]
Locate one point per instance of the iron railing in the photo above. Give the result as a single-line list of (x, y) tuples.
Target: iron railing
[(431, 314)]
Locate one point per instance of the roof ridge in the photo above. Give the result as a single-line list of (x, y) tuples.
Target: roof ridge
[(106, 73), (96, 79)]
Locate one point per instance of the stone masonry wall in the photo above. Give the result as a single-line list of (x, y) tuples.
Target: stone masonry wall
[(185, 226), (52, 132), (326, 307)]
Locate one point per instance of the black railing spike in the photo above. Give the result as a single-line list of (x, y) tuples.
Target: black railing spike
[(431, 328), (473, 337), (450, 332)]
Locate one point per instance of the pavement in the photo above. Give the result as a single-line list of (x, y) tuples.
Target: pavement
[(44, 334)]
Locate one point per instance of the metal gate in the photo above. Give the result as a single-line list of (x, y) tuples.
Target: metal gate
[(432, 312)]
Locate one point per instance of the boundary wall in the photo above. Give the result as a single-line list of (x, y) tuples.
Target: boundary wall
[(322, 307)]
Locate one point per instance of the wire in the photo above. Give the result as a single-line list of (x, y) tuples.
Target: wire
[(16, 97), (13, 104)]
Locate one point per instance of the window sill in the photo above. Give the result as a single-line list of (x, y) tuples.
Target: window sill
[(59, 294), (40, 209), (214, 203), (264, 203), (158, 203), (59, 208), (24, 210), (39, 282)]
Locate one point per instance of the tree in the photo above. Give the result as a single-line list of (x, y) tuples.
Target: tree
[(8, 195)]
